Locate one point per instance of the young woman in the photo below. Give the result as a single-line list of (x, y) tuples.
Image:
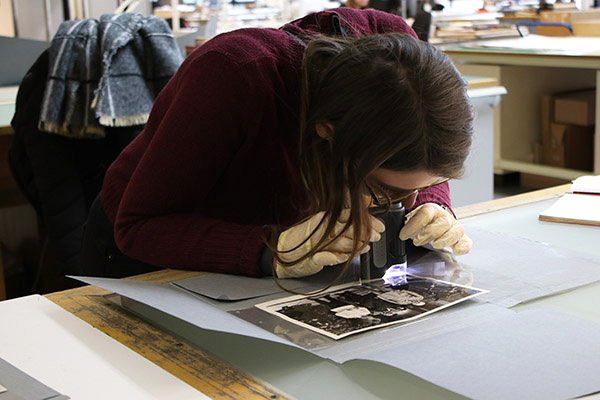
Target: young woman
[(265, 150)]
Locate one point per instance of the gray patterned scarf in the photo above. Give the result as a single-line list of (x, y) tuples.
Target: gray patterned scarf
[(106, 73)]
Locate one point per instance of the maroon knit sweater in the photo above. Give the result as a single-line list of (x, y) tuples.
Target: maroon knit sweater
[(217, 160)]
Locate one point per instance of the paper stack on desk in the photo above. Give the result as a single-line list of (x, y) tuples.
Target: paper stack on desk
[(538, 43), (582, 206), (39, 340)]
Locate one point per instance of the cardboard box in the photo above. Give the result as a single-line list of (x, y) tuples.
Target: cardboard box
[(567, 13), (561, 16), (587, 27), (553, 31), (569, 146), (576, 108), (554, 157)]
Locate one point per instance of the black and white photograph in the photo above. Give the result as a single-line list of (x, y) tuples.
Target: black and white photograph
[(353, 308)]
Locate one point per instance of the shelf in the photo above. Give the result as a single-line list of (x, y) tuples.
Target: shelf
[(537, 169)]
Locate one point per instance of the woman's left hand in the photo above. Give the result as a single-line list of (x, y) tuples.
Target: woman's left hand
[(431, 223)]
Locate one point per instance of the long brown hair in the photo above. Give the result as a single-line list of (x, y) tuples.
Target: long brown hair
[(394, 102)]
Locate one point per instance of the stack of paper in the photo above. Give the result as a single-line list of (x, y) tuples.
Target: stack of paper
[(563, 45), (39, 340), (586, 184), (580, 207)]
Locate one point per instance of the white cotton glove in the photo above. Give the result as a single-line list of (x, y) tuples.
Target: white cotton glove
[(337, 252), (431, 223)]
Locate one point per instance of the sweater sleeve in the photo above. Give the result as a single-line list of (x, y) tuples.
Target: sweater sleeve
[(202, 121), (439, 194)]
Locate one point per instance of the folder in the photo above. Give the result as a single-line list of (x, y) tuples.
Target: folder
[(582, 206)]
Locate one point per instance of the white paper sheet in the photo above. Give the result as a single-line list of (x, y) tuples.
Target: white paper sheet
[(516, 270), (183, 305), (225, 287), (535, 354), (233, 287), (566, 45), (23, 386), (2, 389), (62, 351), (586, 184), (577, 207)]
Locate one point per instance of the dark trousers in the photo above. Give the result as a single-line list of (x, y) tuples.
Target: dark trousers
[(101, 256)]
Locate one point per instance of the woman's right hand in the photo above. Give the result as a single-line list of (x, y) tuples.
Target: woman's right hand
[(336, 252)]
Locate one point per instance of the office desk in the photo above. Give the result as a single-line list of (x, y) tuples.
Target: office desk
[(301, 374), (527, 75)]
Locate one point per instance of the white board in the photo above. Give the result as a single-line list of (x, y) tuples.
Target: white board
[(62, 351)]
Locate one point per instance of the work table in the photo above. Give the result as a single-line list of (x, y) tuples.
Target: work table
[(201, 369)]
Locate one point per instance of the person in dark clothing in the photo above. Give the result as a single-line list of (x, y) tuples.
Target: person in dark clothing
[(265, 150), (60, 177)]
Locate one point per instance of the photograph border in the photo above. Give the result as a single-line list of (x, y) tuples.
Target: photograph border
[(266, 307)]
